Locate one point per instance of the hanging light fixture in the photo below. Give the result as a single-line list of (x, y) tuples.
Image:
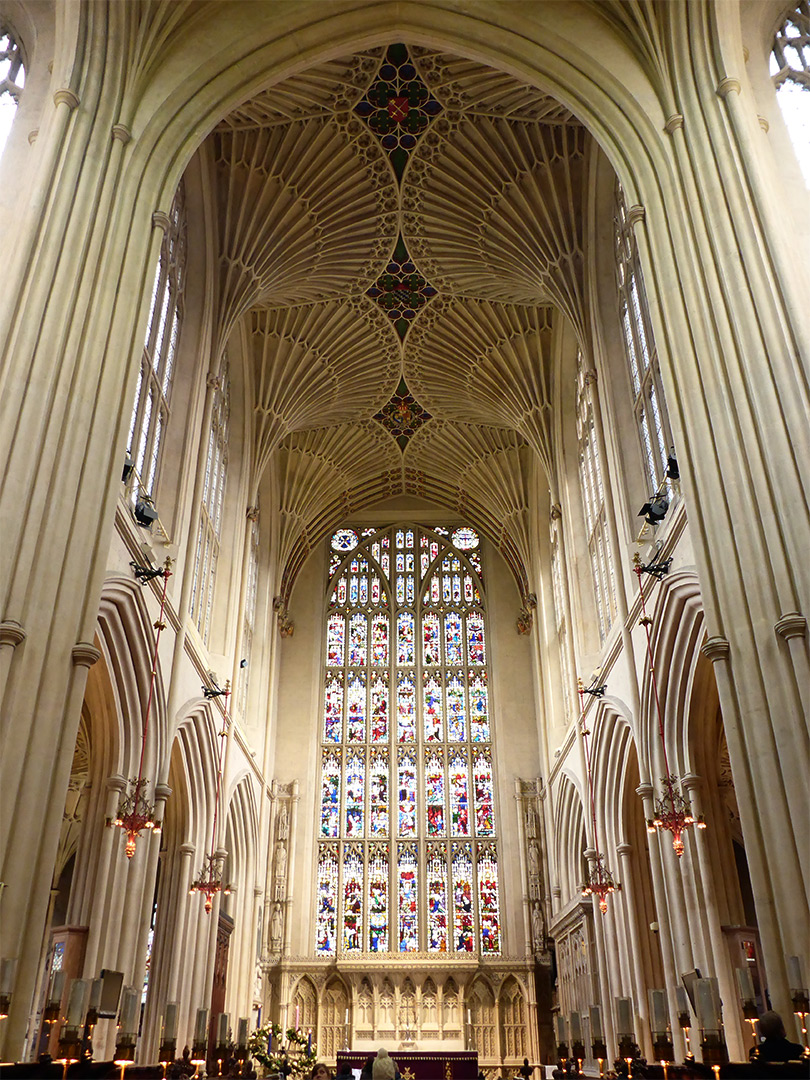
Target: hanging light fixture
[(209, 880), (599, 881), (135, 812), (672, 811)]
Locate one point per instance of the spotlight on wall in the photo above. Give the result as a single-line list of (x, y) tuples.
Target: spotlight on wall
[(243, 662), (145, 512), (129, 465), (655, 510), (673, 472)]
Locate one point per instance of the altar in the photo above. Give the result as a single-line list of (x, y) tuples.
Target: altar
[(413, 1065)]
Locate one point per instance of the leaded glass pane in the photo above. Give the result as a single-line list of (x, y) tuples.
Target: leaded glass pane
[(408, 899)]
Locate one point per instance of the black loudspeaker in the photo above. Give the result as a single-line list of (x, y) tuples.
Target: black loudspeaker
[(111, 983)]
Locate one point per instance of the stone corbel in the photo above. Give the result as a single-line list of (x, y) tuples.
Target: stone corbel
[(525, 619), (286, 627)]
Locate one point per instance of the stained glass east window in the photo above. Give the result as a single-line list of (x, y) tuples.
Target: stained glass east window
[(407, 857)]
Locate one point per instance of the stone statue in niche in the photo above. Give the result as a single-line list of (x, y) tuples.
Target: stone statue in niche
[(283, 823), (279, 890), (537, 927), (281, 859), (276, 927), (534, 858), (531, 823)]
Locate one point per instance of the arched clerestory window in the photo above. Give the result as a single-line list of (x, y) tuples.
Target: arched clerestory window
[(790, 71), (12, 81), (407, 855)]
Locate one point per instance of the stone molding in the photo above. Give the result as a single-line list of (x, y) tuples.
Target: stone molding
[(624, 850), (161, 220), (32, 136), (716, 648), (791, 625), (763, 123), (673, 123), (186, 849), (691, 781), (84, 654), (121, 133), (116, 782), (66, 97), (12, 633), (645, 791)]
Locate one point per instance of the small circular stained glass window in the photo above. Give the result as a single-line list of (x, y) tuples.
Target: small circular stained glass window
[(465, 539), (345, 540)]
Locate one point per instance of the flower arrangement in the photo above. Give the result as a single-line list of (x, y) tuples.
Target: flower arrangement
[(289, 1053)]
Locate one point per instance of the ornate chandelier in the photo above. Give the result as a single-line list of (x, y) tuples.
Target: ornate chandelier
[(599, 881), (672, 811), (209, 880), (135, 812)]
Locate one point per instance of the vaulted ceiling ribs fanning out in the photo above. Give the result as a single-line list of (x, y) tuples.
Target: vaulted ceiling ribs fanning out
[(398, 231)]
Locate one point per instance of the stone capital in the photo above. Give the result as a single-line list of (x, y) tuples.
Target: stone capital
[(84, 654), (635, 214), (121, 133), (11, 633), (716, 648), (186, 850), (691, 781), (727, 86), (161, 220), (673, 123), (116, 782), (791, 625), (624, 851), (162, 792), (66, 97)]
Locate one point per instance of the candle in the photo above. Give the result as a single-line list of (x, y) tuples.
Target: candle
[(7, 968), (201, 1027), (309, 1041), (682, 1001), (659, 1014), (597, 1031), (79, 988), (706, 1001), (57, 986), (795, 976), (222, 1029), (624, 1016), (170, 1021), (242, 1033), (559, 1021), (346, 1021), (469, 1017), (745, 984), (297, 1014), (576, 1027), (130, 1008), (269, 1035)]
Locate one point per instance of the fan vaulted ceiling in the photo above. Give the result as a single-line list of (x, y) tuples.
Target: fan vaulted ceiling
[(400, 214)]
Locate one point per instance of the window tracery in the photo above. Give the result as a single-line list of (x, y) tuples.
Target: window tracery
[(649, 405), (790, 71), (593, 500), (12, 81), (151, 410), (407, 858), (209, 530)]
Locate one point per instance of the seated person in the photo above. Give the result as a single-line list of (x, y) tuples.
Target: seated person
[(775, 1045)]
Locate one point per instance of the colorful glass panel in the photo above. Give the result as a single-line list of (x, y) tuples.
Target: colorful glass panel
[(345, 540), (379, 641), (335, 640), (431, 647), (356, 719), (482, 781), (379, 710), (355, 783), (358, 629), (330, 794), (408, 900), (378, 796), (434, 726), (352, 900), (488, 911), (326, 928), (459, 796), (378, 901), (434, 794), (437, 902), (479, 708), (463, 917), (406, 795), (406, 709), (464, 538), (405, 639), (333, 711), (339, 595), (452, 638), (476, 651), (456, 708)]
